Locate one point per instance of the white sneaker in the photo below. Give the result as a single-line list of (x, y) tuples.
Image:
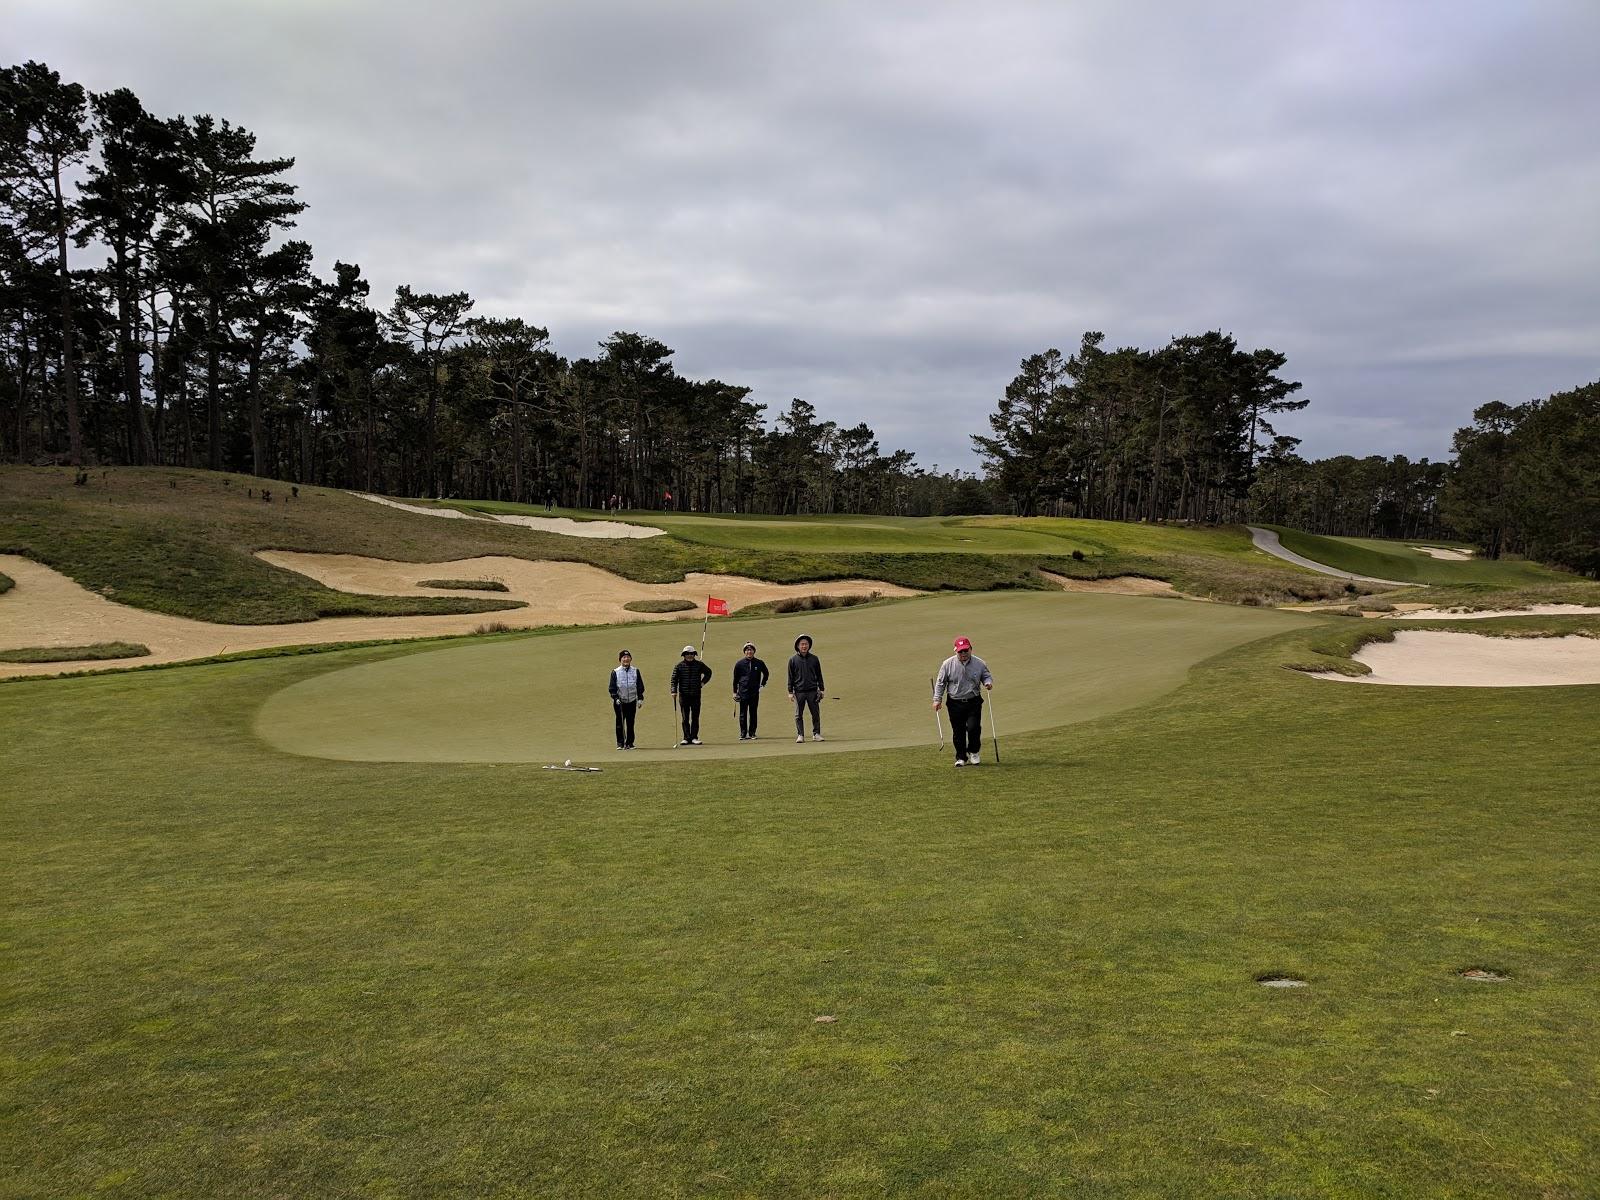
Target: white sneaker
[(973, 760), (961, 762), (694, 741), (800, 738), (816, 737)]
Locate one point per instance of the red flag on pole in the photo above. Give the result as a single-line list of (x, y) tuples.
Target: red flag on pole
[(715, 607)]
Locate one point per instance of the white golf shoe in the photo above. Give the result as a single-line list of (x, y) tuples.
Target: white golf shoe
[(973, 760)]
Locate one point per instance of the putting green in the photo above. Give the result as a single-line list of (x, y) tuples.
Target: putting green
[(1057, 659)]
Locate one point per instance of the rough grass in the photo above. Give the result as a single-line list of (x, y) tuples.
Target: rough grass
[(93, 653), (465, 585), (661, 606), (1384, 559), (6, 583), (234, 972)]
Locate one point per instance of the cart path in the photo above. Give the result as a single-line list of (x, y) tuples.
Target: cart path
[(1266, 539)]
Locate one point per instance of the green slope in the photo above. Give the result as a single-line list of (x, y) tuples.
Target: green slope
[(1385, 559), (1061, 657)]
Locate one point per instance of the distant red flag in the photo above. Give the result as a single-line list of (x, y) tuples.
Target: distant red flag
[(715, 607)]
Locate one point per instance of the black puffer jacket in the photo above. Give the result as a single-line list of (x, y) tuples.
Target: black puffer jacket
[(805, 673), (689, 677)]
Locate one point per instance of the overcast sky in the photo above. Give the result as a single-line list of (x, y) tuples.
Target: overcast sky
[(882, 207)]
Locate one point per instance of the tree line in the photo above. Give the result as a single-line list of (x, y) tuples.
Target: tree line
[(200, 336), (1184, 433)]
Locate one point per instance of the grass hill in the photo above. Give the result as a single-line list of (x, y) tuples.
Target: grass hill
[(182, 542)]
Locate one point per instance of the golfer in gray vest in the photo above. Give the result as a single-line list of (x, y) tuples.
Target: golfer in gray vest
[(960, 684)]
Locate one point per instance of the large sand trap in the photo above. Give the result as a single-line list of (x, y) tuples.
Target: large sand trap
[(48, 609), (1437, 658), (562, 525), (1445, 555), (1116, 585), (1467, 614)]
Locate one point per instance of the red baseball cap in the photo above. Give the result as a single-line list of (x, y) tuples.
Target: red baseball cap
[(963, 644)]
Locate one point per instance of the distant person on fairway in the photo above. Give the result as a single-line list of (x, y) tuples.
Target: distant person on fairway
[(961, 682), (750, 675), (806, 689), (688, 677), (627, 697)]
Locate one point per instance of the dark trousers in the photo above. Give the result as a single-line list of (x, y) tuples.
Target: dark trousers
[(749, 710), (625, 713), (966, 725), (803, 701), (689, 710)]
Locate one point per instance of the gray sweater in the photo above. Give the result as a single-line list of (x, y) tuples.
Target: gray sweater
[(958, 682)]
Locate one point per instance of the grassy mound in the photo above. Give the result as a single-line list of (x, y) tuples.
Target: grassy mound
[(98, 652), (661, 606), (6, 584), (465, 585), (183, 542), (1383, 559)]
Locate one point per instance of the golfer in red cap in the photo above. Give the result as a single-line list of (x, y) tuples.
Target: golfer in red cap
[(961, 682)]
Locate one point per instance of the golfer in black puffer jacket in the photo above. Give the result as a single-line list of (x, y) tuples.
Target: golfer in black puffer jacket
[(688, 677)]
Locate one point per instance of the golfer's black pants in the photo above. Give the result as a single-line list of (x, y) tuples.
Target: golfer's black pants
[(748, 711), (966, 725), (689, 710), (803, 701), (625, 713)]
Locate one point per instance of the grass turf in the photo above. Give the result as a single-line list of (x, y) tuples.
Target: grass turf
[(99, 651), (543, 699), (661, 606), (1400, 560), (233, 971), (465, 585)]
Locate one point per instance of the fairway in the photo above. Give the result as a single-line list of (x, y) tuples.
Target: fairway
[(1057, 659)]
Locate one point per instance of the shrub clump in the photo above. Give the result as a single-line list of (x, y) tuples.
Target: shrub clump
[(670, 604), (97, 652), (794, 604), (466, 585), (493, 627), (6, 584)]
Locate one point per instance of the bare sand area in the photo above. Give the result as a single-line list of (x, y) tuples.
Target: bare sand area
[(46, 608), (1444, 555), (1116, 585), (562, 525), (1440, 658), (1468, 614)]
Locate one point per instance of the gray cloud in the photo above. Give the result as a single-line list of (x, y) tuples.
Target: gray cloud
[(882, 208)]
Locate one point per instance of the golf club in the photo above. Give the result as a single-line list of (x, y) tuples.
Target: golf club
[(938, 719), (994, 730), (677, 723)]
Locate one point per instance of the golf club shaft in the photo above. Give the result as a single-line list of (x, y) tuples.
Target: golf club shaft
[(938, 719), (994, 729)]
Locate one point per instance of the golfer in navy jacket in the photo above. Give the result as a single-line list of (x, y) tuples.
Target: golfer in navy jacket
[(750, 675)]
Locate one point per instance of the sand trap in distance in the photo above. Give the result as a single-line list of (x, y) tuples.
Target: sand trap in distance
[(1439, 658), (562, 525)]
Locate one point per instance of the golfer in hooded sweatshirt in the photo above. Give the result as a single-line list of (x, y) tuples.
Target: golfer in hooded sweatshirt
[(806, 689), (961, 682), (750, 675), (688, 677)]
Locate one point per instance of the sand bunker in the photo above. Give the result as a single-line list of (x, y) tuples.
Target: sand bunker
[(1446, 555), (1437, 658), (1465, 614), (562, 525), (1117, 585), (48, 609)]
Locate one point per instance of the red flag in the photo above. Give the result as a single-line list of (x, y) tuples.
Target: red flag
[(715, 607)]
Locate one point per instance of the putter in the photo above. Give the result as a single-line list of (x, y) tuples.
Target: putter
[(677, 721), (994, 729), (938, 719)]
